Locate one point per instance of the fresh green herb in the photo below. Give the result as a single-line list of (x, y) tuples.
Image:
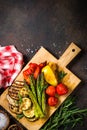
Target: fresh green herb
[(20, 98), (61, 75), (19, 116), (67, 114)]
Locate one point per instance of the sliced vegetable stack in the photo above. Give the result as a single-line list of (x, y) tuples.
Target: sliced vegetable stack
[(42, 86)]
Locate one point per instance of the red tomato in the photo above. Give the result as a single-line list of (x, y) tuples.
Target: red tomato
[(61, 89), (51, 91), (52, 101)]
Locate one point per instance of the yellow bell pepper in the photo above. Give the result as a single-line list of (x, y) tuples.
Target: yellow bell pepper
[(49, 75), (53, 66)]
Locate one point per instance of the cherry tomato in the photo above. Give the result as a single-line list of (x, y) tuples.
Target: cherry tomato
[(52, 101), (61, 89), (51, 91)]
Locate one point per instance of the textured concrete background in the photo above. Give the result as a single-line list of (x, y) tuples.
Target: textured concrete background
[(54, 24)]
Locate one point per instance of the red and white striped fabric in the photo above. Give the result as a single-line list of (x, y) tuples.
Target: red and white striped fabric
[(11, 62)]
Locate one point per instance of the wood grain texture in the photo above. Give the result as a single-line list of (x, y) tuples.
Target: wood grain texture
[(70, 80)]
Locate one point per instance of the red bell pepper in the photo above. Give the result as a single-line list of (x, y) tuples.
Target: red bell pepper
[(33, 69), (36, 72)]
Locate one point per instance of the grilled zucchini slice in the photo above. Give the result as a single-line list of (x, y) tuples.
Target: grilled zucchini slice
[(26, 104), (32, 119), (29, 113), (23, 92)]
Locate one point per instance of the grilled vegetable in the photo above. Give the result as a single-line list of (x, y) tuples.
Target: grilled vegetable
[(33, 119), (49, 75), (43, 96), (53, 66), (38, 112), (41, 92), (26, 104), (23, 92), (29, 113), (12, 101), (14, 89), (37, 72), (26, 77), (15, 109), (32, 85), (38, 89), (33, 69)]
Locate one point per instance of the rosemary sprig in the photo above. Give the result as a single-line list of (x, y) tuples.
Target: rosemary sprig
[(20, 98), (67, 114), (61, 75), (19, 116)]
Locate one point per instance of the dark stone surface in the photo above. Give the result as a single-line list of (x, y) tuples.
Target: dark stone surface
[(54, 24)]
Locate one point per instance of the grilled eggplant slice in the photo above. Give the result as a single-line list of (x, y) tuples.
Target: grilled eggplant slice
[(12, 101), (15, 109), (14, 89), (19, 83)]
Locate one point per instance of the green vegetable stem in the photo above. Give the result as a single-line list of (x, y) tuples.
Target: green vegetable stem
[(43, 86), (39, 93), (32, 85), (67, 114), (38, 111)]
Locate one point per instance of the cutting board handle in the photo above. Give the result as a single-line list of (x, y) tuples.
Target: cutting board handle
[(69, 54)]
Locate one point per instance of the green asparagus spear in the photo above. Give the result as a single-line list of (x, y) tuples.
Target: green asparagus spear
[(44, 102), (38, 88), (43, 99), (32, 85), (38, 112)]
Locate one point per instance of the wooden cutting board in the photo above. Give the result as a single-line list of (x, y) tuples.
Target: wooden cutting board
[(70, 80)]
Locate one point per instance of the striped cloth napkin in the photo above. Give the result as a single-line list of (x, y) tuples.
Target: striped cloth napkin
[(11, 62)]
